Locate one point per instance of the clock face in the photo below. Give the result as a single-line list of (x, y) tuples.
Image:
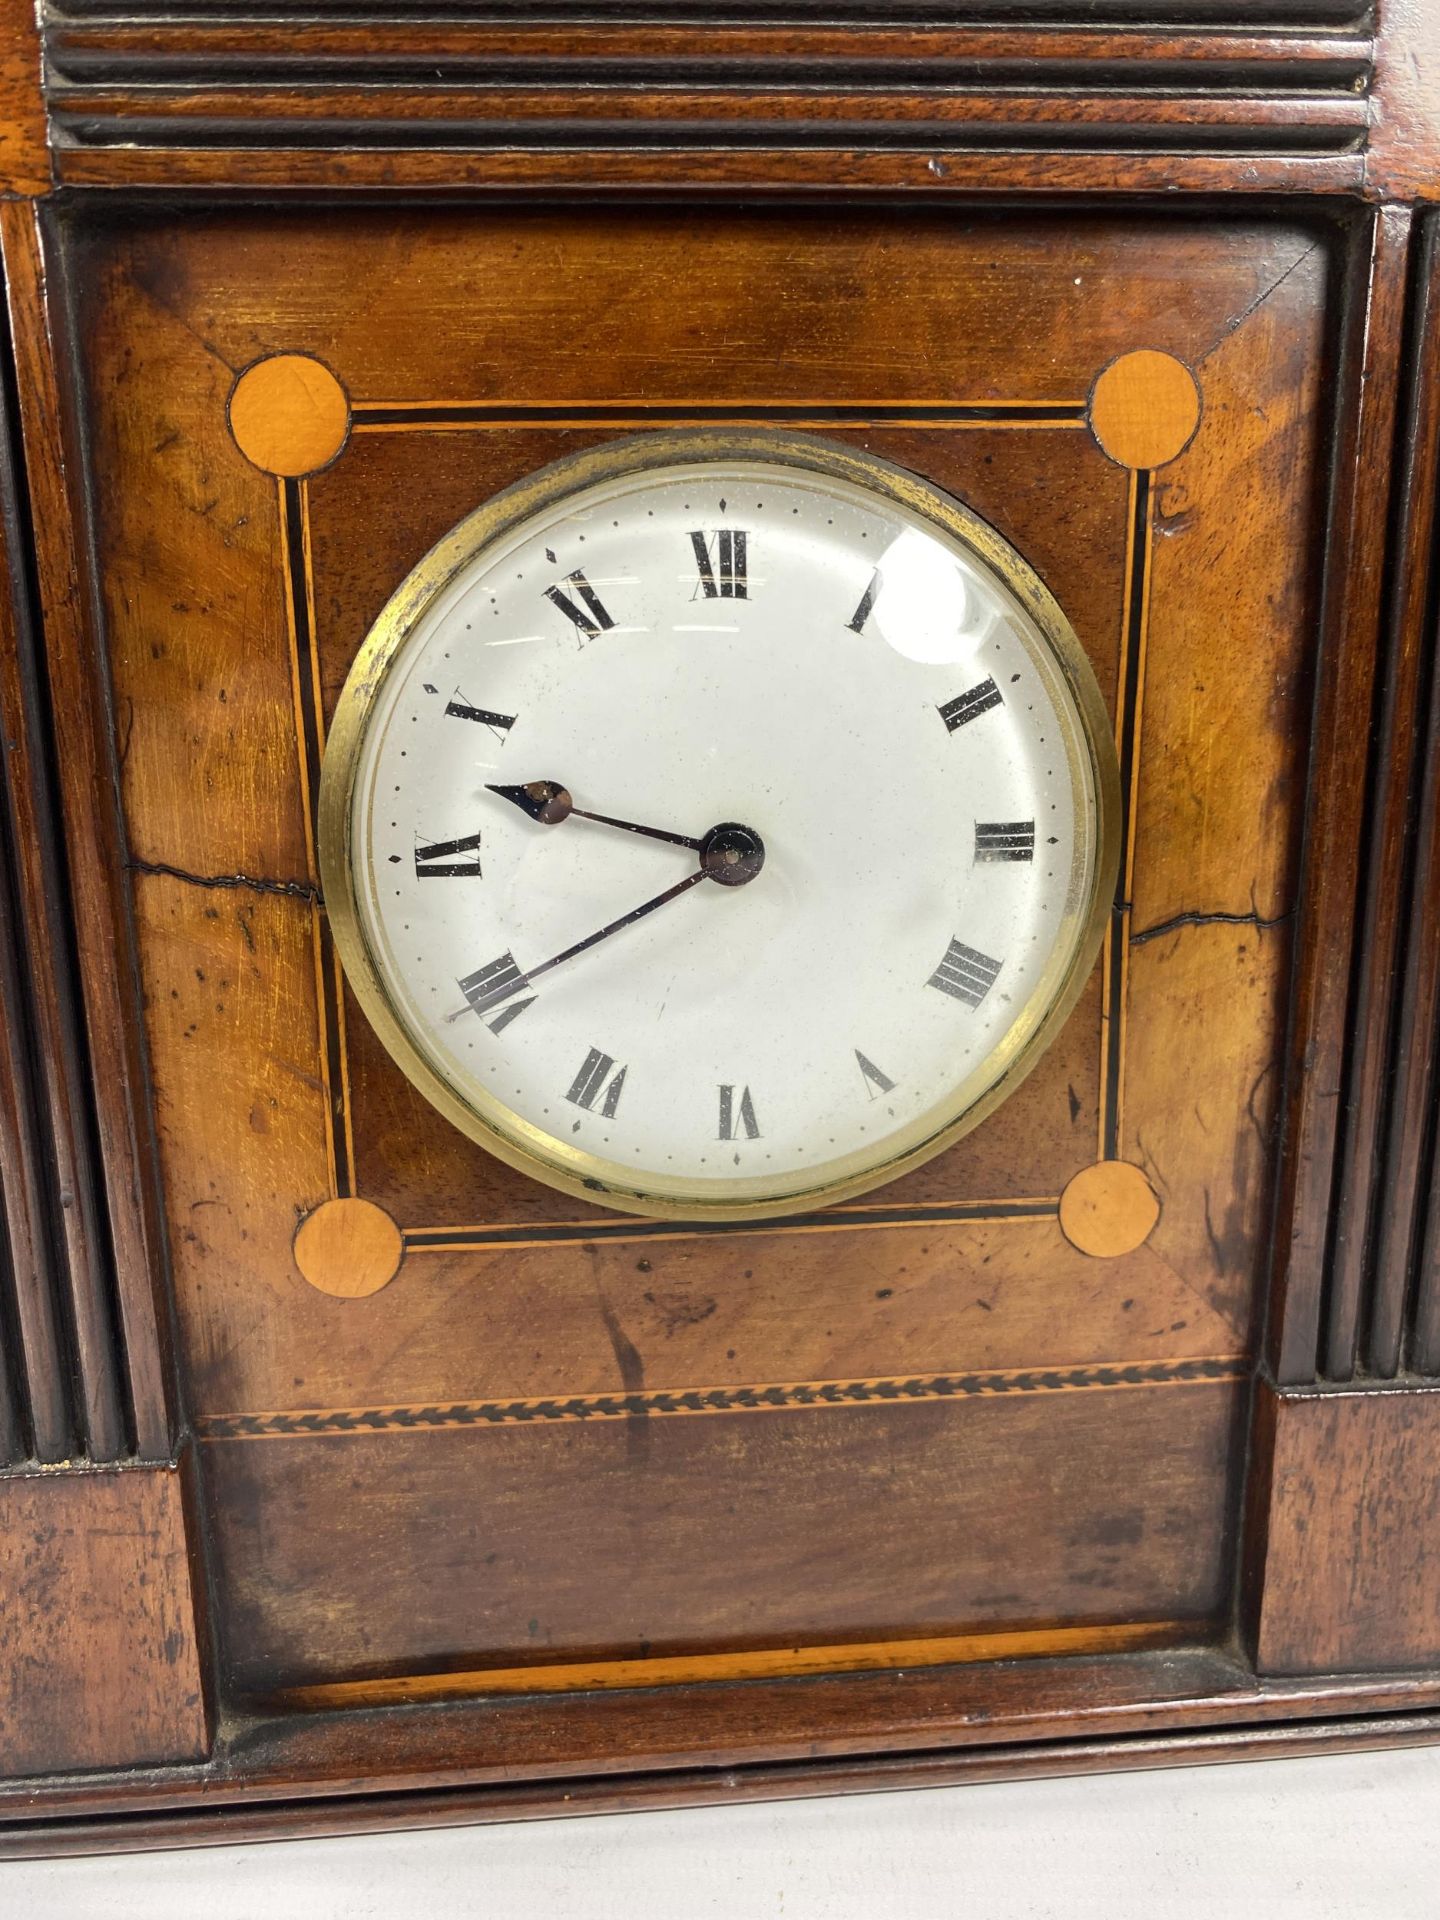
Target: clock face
[(713, 827)]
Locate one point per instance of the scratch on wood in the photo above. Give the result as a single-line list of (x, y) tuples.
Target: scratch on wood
[(1233, 326)]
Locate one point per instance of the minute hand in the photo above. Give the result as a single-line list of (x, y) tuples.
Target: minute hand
[(594, 939), (625, 920)]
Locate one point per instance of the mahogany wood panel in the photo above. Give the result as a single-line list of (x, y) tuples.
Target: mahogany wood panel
[(100, 1664), (454, 337), (24, 134), (1309, 1331), (1357, 1301), (1383, 1195), (1378, 917), (91, 869), (526, 1538), (1404, 141), (1345, 1575), (37, 1414), (65, 1320)]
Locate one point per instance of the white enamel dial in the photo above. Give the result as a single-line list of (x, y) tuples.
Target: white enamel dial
[(907, 775)]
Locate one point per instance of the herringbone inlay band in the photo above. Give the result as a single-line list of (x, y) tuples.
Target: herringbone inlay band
[(660, 1403)]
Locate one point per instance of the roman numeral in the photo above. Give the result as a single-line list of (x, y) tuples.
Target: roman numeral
[(433, 862), (966, 707), (460, 709), (1004, 839), (590, 1083), (862, 613), (590, 617), (727, 579), (737, 1115), (965, 974), (876, 1082), (491, 992)]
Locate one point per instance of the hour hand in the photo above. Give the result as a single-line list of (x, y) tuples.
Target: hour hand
[(550, 803), (544, 800)]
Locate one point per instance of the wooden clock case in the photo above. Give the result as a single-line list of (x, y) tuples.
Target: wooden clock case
[(348, 1476)]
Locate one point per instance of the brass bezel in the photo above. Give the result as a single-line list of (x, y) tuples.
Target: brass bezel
[(526, 1147)]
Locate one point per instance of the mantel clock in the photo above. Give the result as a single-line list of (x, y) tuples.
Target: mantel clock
[(719, 850)]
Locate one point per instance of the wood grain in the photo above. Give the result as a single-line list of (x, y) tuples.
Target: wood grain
[(616, 117), (1307, 1332), (1366, 1302), (37, 1418), (245, 51), (100, 1666), (1405, 133), (1427, 1282), (221, 83), (1346, 1568), (24, 130), (1382, 1177), (94, 868), (784, 173), (518, 1544), (76, 1334)]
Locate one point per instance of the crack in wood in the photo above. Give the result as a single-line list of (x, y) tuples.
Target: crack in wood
[(1251, 919), (291, 889)]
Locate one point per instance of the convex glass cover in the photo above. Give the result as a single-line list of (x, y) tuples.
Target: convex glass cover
[(715, 826)]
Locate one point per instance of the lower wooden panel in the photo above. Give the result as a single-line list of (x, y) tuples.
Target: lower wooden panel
[(99, 1660), (641, 1538), (1345, 1565)]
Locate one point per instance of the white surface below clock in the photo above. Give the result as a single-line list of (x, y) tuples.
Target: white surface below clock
[(851, 678)]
